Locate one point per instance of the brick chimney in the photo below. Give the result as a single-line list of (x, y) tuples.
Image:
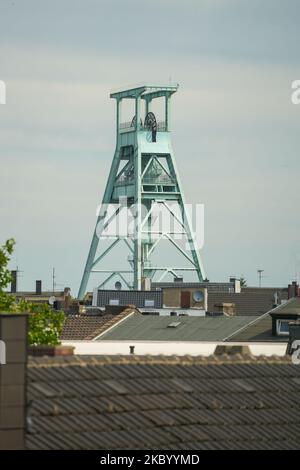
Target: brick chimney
[(67, 298), (293, 290)]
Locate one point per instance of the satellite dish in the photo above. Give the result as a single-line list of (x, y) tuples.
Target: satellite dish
[(118, 285), (198, 296), (51, 300)]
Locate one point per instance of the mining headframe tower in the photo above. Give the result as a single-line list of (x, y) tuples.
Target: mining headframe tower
[(143, 179)]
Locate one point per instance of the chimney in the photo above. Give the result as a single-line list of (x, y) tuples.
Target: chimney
[(276, 299), (236, 284), (38, 287), (146, 283), (13, 285), (293, 290), (225, 308)]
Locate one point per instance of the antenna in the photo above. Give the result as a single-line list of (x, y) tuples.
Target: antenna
[(53, 280), (296, 269), (260, 271), (18, 271)]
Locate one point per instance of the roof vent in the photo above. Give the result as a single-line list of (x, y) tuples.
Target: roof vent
[(174, 324)]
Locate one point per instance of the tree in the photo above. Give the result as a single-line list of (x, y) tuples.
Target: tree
[(45, 325), (6, 250), (243, 282)]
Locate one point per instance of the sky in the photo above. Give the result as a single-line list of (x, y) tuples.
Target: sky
[(236, 133)]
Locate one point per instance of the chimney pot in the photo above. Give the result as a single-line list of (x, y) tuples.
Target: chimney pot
[(293, 290), (38, 287), (13, 285)]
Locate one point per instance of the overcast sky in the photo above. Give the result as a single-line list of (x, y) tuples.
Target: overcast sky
[(236, 132)]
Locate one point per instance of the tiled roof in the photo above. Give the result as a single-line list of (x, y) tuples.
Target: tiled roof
[(249, 302), (163, 403), (79, 327), (87, 327), (159, 328)]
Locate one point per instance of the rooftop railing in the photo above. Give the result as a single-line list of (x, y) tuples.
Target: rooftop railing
[(161, 126)]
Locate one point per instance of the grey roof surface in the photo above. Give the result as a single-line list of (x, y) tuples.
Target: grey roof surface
[(250, 301), (261, 328), (141, 402), (290, 307), (155, 328)]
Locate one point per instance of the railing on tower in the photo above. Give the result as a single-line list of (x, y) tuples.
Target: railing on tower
[(161, 126)]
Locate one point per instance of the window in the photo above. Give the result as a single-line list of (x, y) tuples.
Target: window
[(282, 327), (149, 303), (114, 302)]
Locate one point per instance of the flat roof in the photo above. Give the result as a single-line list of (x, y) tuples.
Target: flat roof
[(188, 328), (144, 90)]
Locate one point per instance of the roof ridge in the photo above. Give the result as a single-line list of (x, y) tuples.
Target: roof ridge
[(187, 360)]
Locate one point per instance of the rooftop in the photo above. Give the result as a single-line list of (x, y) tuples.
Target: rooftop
[(143, 90), (254, 301), (87, 327), (260, 329), (180, 328), (291, 307), (80, 327), (130, 402), (211, 286)]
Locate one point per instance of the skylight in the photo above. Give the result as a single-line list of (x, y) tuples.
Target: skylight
[(174, 324)]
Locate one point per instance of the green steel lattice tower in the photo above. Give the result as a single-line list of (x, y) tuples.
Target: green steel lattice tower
[(144, 172)]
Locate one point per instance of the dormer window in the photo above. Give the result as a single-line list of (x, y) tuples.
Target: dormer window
[(284, 314), (282, 327)]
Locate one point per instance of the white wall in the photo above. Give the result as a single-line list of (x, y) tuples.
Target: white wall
[(169, 348)]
